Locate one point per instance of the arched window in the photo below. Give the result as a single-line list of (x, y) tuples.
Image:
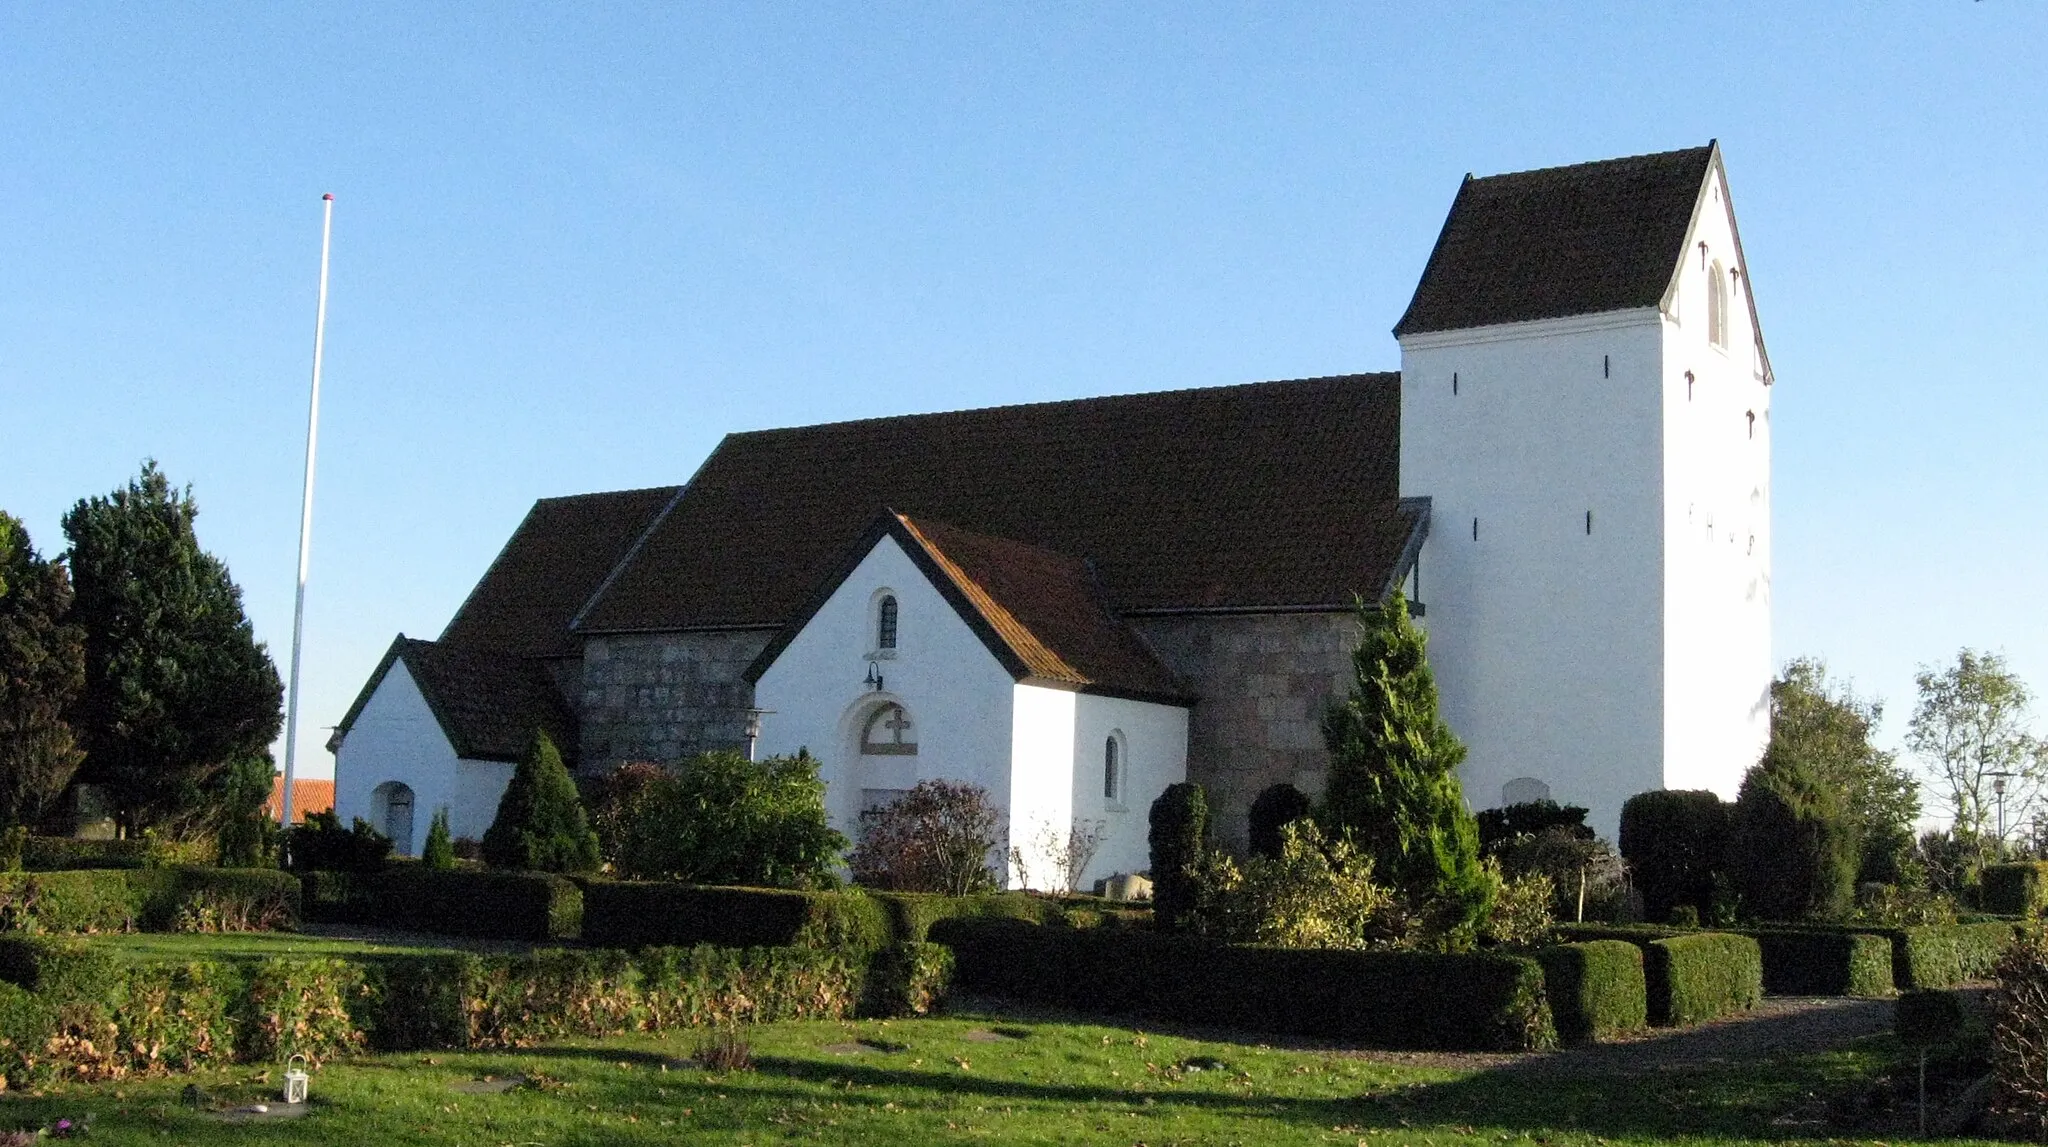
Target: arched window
[(885, 623), (888, 733), (1113, 770), (1717, 304)]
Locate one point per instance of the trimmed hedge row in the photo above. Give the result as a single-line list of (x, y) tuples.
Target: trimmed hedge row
[(463, 902), (70, 1010), (1698, 977), (1801, 962), (637, 914), (1941, 955), (912, 914), (2019, 888), (1596, 989), (149, 899), (1481, 1001), (60, 853)]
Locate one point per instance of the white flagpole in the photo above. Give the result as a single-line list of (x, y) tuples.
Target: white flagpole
[(291, 720)]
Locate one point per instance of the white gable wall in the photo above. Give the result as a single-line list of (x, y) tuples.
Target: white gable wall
[(960, 699), (1546, 640), (1041, 782), (1155, 752), (396, 738)]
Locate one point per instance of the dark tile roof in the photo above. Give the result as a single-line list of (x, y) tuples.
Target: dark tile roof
[(1275, 494), (488, 705), (1039, 612), (1561, 241), (554, 562)]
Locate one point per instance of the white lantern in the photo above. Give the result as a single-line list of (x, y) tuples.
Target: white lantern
[(295, 1079)]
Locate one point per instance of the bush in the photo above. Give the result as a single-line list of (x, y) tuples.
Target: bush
[(1825, 963), (1928, 1018), (1521, 915), (1499, 827), (1673, 841), (935, 838), (633, 914), (322, 844), (438, 854), (1938, 956), (2019, 1033), (458, 902), (912, 914), (148, 899), (1179, 822), (1584, 872), (540, 826), (1703, 976), (1472, 1001), (2016, 889), (1794, 850), (1596, 989), (908, 980), (723, 819), (1274, 809), (1316, 894)]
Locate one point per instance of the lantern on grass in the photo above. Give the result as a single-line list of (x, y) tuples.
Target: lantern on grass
[(295, 1079)]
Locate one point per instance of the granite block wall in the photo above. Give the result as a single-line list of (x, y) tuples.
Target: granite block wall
[(665, 696)]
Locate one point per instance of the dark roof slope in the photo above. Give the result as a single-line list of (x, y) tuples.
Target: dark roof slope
[(554, 562), (488, 705), (1037, 611), (1561, 241), (1273, 494)]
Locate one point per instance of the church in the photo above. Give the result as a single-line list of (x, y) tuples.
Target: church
[(1074, 604)]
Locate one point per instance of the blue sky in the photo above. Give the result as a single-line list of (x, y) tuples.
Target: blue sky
[(574, 245)]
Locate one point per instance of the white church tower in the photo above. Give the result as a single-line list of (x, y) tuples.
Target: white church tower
[(1585, 400)]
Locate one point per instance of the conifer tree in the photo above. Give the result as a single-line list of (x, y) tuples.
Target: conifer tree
[(42, 668), (1794, 849), (1393, 783), (1179, 822), (541, 826), (438, 854)]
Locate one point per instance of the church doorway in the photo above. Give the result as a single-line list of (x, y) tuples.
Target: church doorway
[(888, 751), (391, 812)]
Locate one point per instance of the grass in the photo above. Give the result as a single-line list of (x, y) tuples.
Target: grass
[(189, 946), (986, 1078)]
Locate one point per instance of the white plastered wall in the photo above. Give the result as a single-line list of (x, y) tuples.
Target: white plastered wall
[(1717, 495), (1154, 740), (1546, 640), (396, 738), (958, 696)]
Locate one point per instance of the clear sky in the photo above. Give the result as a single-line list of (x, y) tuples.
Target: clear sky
[(576, 244)]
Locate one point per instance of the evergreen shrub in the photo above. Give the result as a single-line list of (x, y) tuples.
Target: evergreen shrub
[(1793, 850), (1502, 826), (1674, 841), (912, 914), (1941, 956), (1274, 809), (1596, 989), (908, 979), (2019, 888), (1701, 976), (149, 900), (438, 854), (1807, 962), (321, 844), (59, 853), (1469, 1001), (458, 902), (541, 826), (638, 914), (1179, 824)]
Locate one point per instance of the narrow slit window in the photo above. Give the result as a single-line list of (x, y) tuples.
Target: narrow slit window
[(1606, 366), (1112, 770), (1751, 415), (1475, 529), (1454, 382), (1589, 523), (885, 624), (1688, 386)]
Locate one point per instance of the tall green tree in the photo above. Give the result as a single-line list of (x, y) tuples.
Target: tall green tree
[(1971, 732), (1393, 775), (1793, 855), (541, 826), (177, 688), (1824, 728), (42, 669)]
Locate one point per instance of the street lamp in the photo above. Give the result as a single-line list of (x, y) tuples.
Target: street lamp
[(754, 728), (1998, 780)]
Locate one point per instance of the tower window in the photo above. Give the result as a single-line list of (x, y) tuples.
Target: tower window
[(1454, 382), (1113, 770), (1606, 366), (1475, 529), (1589, 523), (885, 624)]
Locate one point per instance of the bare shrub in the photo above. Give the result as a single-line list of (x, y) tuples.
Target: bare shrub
[(2019, 1033), (724, 1049), (935, 838), (1061, 855)]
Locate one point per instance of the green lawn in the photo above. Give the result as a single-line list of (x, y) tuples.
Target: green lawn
[(188, 946), (946, 1081)]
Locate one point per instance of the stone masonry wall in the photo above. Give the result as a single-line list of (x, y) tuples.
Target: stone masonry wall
[(665, 696), (1263, 682)]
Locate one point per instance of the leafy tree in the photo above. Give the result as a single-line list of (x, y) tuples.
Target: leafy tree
[(42, 669), (321, 844), (617, 801), (1313, 893), (1393, 776), (1674, 841), (1970, 733), (438, 854), (723, 819), (1274, 809), (177, 688), (1179, 823), (937, 837), (1826, 729), (540, 825), (1794, 849)]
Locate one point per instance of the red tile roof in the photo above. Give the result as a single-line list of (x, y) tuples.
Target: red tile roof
[(1270, 495), (307, 796), (1562, 241)]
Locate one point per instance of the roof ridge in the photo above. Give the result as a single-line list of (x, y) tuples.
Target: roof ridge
[(1591, 164)]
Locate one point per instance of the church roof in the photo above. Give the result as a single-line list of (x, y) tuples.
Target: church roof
[(1039, 612), (1562, 241), (1273, 495), (554, 562), (487, 705)]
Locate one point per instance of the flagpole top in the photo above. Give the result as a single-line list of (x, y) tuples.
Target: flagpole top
[(329, 197)]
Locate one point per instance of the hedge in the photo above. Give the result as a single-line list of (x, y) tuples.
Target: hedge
[(68, 1010), (638, 914), (2016, 889), (149, 900), (912, 914), (1942, 955), (532, 906), (59, 853), (1480, 1001), (1596, 989), (1803, 962), (1699, 977)]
